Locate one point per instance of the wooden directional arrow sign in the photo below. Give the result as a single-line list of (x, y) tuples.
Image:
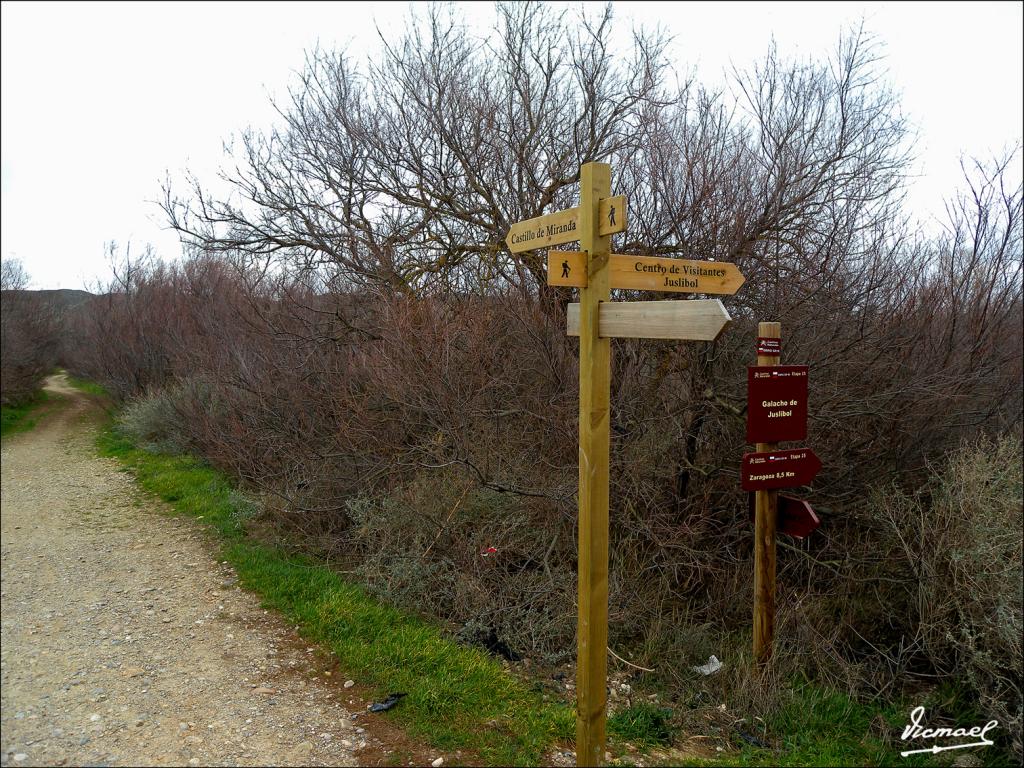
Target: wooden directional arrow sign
[(779, 469), (645, 273), (693, 320), (563, 226)]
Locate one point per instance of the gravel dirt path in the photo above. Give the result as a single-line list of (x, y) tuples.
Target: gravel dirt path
[(125, 641)]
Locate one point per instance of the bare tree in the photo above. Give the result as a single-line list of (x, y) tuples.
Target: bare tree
[(13, 276), (409, 174), (28, 334)]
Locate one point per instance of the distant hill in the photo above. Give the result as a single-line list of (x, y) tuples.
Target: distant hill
[(62, 298)]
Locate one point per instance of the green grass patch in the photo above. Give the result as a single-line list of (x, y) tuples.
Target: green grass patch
[(819, 727), (89, 387), (22, 417), (644, 725), (458, 697)]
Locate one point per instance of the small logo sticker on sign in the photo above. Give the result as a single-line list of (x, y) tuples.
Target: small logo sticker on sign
[(769, 346)]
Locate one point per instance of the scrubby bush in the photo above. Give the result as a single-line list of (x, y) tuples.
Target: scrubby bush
[(477, 557), (958, 544), (153, 421), (29, 330)]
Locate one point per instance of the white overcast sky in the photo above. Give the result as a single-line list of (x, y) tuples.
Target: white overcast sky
[(101, 100)]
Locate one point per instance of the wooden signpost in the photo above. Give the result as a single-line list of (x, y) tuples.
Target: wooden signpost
[(595, 392), (766, 504), (594, 319), (776, 411)]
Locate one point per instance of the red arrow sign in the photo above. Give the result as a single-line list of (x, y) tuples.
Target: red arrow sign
[(795, 517), (779, 469)]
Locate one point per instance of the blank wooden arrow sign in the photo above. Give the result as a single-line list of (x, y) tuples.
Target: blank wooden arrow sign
[(563, 226), (691, 320), (647, 273)]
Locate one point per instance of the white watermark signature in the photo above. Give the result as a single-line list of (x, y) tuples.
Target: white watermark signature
[(917, 731)]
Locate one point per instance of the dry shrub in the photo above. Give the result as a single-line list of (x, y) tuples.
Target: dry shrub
[(481, 559), (29, 330), (960, 540), (153, 422)]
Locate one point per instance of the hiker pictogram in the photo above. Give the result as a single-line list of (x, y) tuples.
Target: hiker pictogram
[(565, 268)]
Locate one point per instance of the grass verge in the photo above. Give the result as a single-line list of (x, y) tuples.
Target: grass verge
[(21, 418), (458, 697), (643, 725), (818, 727), (89, 387)]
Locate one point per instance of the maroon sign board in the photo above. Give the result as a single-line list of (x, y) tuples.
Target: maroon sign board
[(795, 517), (776, 403), (778, 469)]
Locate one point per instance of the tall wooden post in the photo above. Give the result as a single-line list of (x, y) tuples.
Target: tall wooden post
[(766, 504), (595, 374)]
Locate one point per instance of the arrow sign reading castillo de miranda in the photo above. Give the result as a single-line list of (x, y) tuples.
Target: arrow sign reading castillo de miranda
[(563, 226), (778, 469), (647, 273)]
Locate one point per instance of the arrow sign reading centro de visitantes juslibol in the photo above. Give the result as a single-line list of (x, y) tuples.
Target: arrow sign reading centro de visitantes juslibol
[(563, 226), (778, 469), (794, 517), (776, 403), (647, 273)]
